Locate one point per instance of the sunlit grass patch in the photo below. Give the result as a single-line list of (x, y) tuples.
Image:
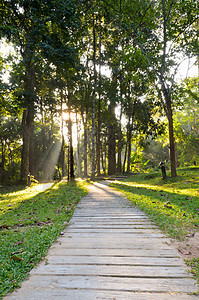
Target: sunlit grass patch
[(173, 204), (29, 223)]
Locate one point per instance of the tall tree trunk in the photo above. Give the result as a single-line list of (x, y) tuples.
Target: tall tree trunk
[(168, 110), (98, 144), (129, 146), (125, 155), (71, 157), (111, 150), (93, 95), (62, 154), (84, 120), (78, 150), (27, 159), (119, 162), (25, 148), (44, 144), (2, 155), (31, 149), (171, 139)]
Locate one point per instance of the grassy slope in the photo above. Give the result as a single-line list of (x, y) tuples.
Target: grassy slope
[(173, 204), (29, 223)]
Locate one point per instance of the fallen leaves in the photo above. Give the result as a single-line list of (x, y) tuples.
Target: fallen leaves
[(4, 226), (16, 258), (18, 243), (184, 251)]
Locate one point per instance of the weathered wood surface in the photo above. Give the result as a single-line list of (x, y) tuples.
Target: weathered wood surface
[(110, 250)]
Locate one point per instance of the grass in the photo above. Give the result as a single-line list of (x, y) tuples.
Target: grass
[(30, 221), (173, 204)]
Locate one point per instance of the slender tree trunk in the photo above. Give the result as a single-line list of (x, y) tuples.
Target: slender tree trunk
[(44, 146), (119, 163), (71, 157), (98, 144), (125, 155), (129, 146), (168, 110), (171, 140), (93, 96), (27, 159), (31, 149), (62, 154), (2, 155), (78, 150), (25, 148), (105, 152), (111, 150), (84, 120)]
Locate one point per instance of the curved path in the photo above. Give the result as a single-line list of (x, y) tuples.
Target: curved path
[(110, 250)]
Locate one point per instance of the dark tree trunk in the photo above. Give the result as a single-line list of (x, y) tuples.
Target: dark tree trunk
[(63, 140), (78, 150), (25, 148), (111, 150), (93, 96), (84, 119), (27, 159), (71, 158), (129, 147), (119, 163), (171, 134), (31, 149), (98, 144), (44, 144), (2, 155), (125, 155)]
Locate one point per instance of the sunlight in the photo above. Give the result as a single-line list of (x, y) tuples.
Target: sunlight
[(46, 166)]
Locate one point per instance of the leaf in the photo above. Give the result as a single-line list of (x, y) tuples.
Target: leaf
[(185, 252), (18, 243), (14, 257), (4, 226)]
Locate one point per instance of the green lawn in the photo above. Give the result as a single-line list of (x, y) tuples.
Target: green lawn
[(30, 221), (172, 204)]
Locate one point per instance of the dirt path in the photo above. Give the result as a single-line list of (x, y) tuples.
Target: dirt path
[(110, 250)]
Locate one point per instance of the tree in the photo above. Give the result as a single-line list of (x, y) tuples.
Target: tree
[(37, 26)]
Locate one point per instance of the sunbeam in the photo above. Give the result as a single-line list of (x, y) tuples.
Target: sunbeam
[(46, 166)]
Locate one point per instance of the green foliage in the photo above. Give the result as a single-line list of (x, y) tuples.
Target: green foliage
[(186, 123), (30, 221)]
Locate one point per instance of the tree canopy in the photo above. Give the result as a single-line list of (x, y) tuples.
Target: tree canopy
[(99, 72)]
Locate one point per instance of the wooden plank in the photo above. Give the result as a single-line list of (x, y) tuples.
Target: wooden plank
[(112, 227), (112, 231), (104, 270), (186, 285), (86, 294), (63, 251), (113, 236), (71, 243), (114, 260)]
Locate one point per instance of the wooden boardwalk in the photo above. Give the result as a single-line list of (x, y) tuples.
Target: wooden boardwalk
[(112, 251)]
